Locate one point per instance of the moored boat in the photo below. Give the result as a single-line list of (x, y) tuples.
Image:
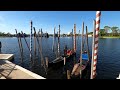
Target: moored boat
[(76, 69)]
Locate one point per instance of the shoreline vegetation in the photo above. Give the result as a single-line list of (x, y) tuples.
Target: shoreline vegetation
[(109, 36), (107, 32)]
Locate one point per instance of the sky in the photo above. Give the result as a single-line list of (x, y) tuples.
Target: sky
[(47, 20)]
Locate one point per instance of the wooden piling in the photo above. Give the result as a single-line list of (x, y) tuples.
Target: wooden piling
[(19, 45), (25, 41), (55, 46), (0, 46), (39, 40), (79, 34), (46, 59), (59, 41), (40, 51), (81, 50), (53, 41), (41, 33), (72, 42), (87, 44), (94, 24), (68, 74), (34, 48), (21, 48), (64, 60), (74, 38)]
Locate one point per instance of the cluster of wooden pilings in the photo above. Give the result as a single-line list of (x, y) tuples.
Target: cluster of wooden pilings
[(32, 50), (96, 27), (44, 61)]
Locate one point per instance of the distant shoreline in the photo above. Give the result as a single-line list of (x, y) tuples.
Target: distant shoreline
[(110, 37)]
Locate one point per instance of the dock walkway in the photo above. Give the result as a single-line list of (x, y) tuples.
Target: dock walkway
[(8, 70)]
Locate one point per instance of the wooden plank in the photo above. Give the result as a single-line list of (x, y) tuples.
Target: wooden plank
[(6, 56)]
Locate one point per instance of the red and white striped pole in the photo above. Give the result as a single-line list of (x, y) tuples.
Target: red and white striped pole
[(95, 51)]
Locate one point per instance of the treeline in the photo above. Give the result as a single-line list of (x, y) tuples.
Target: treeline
[(2, 34), (110, 31), (6, 34)]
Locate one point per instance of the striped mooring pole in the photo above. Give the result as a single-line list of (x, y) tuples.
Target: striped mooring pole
[(31, 41), (95, 45)]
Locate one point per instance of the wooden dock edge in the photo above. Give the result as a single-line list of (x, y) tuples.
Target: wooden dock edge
[(36, 76), (118, 77), (9, 57)]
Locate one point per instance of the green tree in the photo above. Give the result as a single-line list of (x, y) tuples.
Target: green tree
[(114, 30), (102, 32), (107, 29)]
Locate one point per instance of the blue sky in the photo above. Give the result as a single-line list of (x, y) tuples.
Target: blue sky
[(47, 20)]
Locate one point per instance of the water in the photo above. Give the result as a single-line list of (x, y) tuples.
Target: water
[(108, 65)]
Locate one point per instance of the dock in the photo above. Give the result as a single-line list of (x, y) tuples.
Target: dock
[(8, 70), (6, 57)]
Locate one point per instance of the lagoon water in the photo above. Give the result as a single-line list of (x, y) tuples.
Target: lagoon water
[(108, 65)]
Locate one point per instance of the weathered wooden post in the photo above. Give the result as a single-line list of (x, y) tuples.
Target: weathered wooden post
[(41, 33), (53, 47), (87, 44), (64, 60), (21, 47), (68, 74), (72, 41), (74, 38), (46, 59), (81, 51), (0, 46), (34, 48), (25, 41), (59, 41), (93, 49)]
